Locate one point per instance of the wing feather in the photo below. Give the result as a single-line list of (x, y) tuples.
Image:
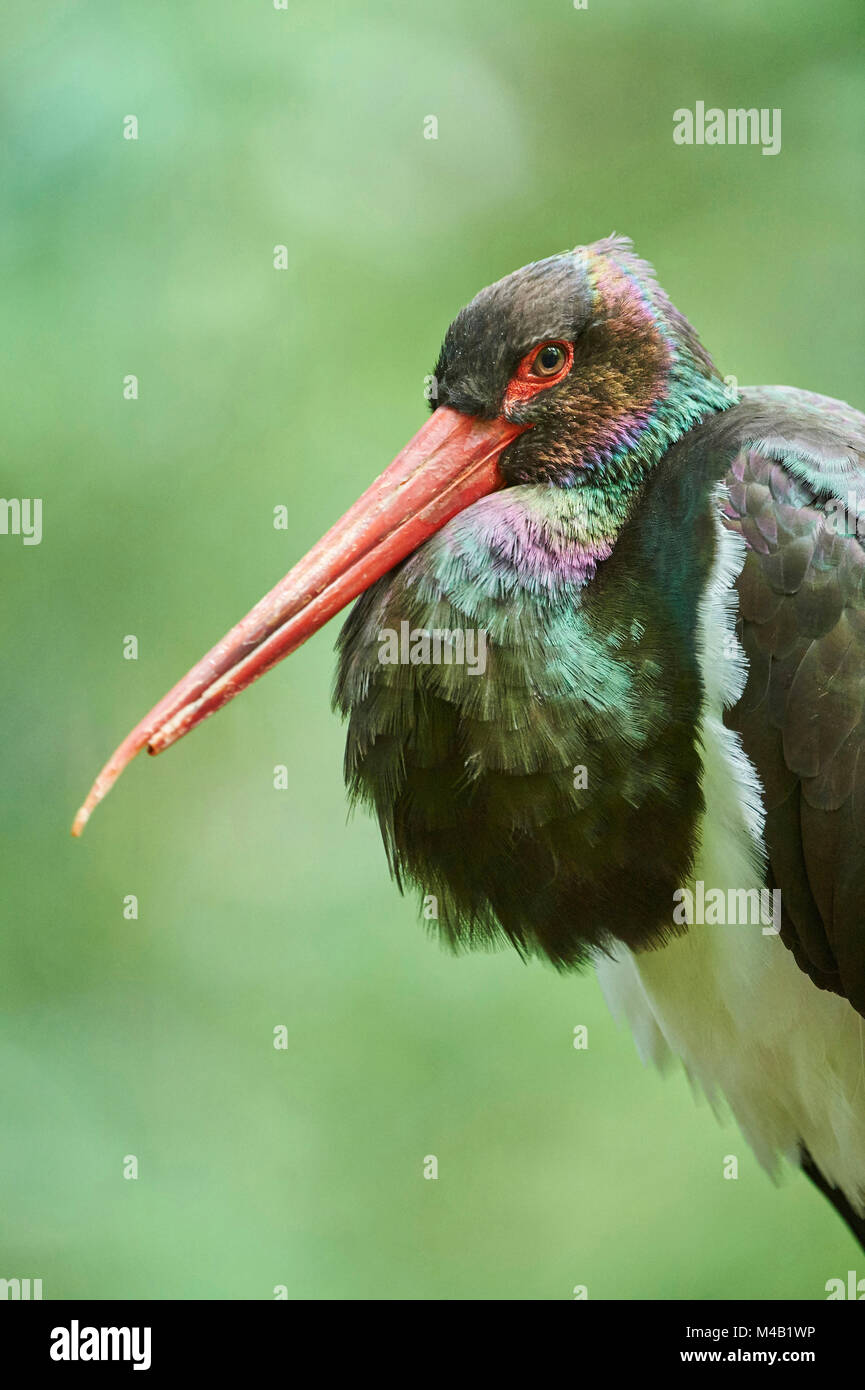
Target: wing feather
[(801, 715)]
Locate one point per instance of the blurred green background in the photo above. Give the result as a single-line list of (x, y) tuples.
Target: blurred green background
[(259, 387)]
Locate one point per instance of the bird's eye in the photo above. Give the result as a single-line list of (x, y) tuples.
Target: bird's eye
[(549, 359), (544, 366)]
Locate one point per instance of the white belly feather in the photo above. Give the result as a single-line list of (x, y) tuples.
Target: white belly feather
[(730, 1001)]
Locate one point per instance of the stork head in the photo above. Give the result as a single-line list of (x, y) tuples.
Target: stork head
[(584, 351)]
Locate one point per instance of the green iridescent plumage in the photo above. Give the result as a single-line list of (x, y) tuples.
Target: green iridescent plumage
[(516, 798)]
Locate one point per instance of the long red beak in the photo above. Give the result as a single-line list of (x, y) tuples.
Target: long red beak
[(451, 462)]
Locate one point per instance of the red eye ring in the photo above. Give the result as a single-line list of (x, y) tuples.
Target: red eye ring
[(527, 379)]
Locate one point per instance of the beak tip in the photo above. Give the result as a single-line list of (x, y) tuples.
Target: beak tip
[(80, 822)]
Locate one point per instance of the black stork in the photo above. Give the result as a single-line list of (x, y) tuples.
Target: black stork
[(659, 764)]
